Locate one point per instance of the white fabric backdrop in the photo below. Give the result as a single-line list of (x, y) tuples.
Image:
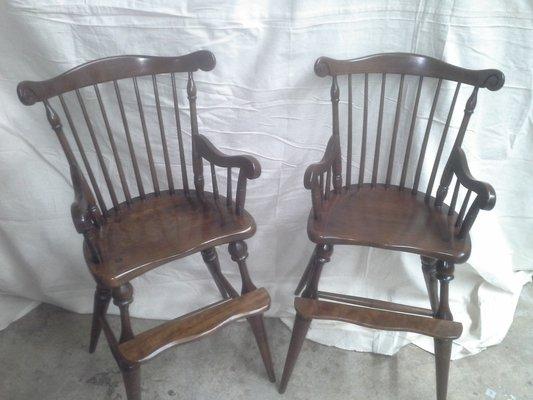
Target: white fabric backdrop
[(264, 99)]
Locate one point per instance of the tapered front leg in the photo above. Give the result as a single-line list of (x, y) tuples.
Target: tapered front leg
[(132, 381), (321, 255), (239, 254), (102, 296), (443, 347), (305, 276), (299, 331), (429, 270)]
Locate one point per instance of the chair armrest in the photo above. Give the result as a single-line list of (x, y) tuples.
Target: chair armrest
[(248, 164), (85, 213), (322, 166), (485, 192)]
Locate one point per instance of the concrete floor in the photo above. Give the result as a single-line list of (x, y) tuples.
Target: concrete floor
[(44, 356)]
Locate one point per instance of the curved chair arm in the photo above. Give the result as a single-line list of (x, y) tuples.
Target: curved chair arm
[(486, 193), (248, 164), (322, 166), (314, 176), (85, 213)]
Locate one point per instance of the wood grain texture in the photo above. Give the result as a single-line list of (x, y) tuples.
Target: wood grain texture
[(412, 64), (112, 68), (160, 229), (377, 319), (391, 219), (194, 326), (372, 303)]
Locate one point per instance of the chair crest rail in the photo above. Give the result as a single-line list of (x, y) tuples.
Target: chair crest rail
[(112, 68), (410, 64)]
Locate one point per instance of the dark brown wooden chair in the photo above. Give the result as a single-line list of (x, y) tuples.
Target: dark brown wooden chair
[(144, 228), (389, 210)]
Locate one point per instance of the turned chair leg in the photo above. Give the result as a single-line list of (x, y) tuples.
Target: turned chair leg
[(102, 296), (122, 298), (132, 381), (210, 258), (429, 270), (320, 256), (443, 347), (239, 253)]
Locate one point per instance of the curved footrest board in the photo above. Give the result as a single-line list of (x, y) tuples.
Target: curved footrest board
[(193, 326), (378, 319)]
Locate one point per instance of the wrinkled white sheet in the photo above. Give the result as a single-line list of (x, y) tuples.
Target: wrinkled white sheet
[(263, 99)]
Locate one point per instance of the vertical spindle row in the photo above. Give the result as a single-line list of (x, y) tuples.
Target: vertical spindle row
[(131, 149), (81, 149), (122, 177), (97, 149), (422, 155)]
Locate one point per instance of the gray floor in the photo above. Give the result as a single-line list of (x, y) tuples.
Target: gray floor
[(44, 356)]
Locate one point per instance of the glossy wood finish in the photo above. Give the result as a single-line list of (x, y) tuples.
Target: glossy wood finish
[(142, 229), (160, 229), (377, 304), (110, 69), (193, 326), (391, 219), (392, 210), (377, 319), (410, 64)]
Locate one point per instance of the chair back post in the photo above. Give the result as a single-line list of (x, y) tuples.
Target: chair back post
[(447, 174), (85, 213), (337, 166), (197, 163)]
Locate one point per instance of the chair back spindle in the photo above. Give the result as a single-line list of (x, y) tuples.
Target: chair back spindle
[(116, 83), (196, 159), (131, 148), (364, 134)]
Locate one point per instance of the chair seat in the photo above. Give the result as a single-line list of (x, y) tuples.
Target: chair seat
[(160, 229), (389, 218)]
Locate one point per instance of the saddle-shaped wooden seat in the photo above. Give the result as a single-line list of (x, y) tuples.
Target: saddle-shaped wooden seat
[(389, 218), (163, 228)]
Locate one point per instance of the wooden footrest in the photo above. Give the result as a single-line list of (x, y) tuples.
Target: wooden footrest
[(377, 319), (193, 326)]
